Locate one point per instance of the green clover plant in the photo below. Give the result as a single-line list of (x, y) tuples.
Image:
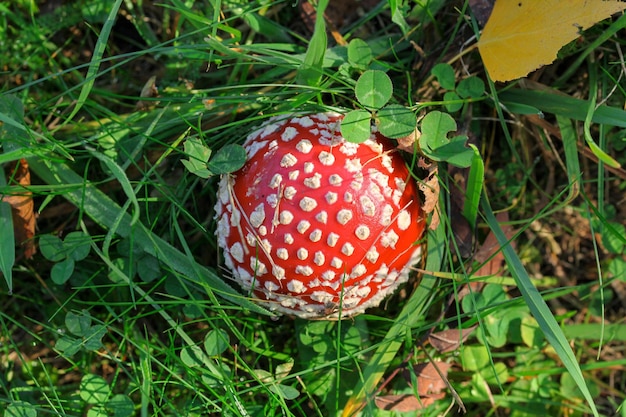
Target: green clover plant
[(75, 247)]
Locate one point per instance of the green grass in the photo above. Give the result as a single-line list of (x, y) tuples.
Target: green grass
[(126, 308)]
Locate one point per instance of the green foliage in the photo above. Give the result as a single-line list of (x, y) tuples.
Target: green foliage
[(373, 90), (142, 319), (84, 335), (468, 88), (228, 158), (75, 247), (96, 391), (360, 54), (436, 145), (311, 69), (7, 247), (20, 409)]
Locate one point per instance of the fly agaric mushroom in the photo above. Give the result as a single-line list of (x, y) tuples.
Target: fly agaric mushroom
[(316, 225)]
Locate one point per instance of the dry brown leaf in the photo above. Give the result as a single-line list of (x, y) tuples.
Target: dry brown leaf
[(449, 340), (430, 188), (407, 143), (149, 90), (405, 403), (490, 253), (22, 208), (428, 379)]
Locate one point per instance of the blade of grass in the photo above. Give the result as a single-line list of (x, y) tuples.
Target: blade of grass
[(474, 187), (568, 135), (310, 72), (105, 212), (538, 307), (564, 105), (7, 245), (94, 65), (591, 109), (212, 364), (408, 318)]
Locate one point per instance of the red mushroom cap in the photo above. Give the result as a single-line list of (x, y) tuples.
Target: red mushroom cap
[(316, 225)]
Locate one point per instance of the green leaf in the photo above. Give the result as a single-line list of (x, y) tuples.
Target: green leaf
[(531, 333), (356, 126), (148, 268), (216, 342), (192, 356), (78, 324), (495, 375), (359, 53), (613, 238), (51, 247), (496, 327), (474, 187), (200, 171), (97, 411), (471, 87), (123, 270), (373, 89), (444, 73), (20, 409), (396, 121), (617, 268), (93, 337), (285, 391), (229, 158), (77, 245), (435, 144), (435, 127), (62, 271), (397, 15), (121, 405), (474, 358), (451, 101), (68, 345), (198, 156), (455, 152), (94, 389)]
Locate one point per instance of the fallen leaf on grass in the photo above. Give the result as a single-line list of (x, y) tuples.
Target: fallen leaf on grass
[(449, 340), (430, 385), (407, 143), (490, 253), (521, 36), (429, 380), (405, 403), (22, 208)]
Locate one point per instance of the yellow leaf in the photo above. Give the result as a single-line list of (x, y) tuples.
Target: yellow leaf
[(522, 35)]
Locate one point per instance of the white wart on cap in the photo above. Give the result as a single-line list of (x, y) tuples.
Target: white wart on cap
[(316, 225)]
